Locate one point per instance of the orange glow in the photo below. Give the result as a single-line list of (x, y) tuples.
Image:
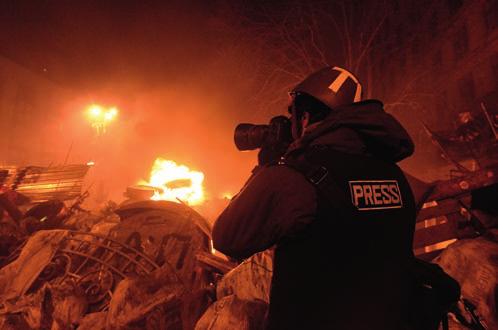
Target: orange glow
[(227, 195), (95, 111), (110, 114), (100, 117), (175, 182)]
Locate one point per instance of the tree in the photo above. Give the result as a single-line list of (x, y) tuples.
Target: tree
[(291, 39)]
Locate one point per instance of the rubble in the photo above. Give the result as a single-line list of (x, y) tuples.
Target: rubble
[(230, 312), (250, 280), (474, 264), (243, 295), (459, 208), (139, 270), (150, 265), (149, 299), (93, 321)]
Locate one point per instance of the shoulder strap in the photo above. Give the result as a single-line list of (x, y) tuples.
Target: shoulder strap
[(322, 179)]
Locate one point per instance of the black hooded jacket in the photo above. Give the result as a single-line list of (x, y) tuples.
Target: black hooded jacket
[(338, 256)]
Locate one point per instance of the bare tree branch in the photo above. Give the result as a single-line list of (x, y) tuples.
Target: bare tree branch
[(368, 45)]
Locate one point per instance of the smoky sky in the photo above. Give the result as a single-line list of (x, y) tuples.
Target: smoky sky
[(183, 73), (83, 44), (158, 61)]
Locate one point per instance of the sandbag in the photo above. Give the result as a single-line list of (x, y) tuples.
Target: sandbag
[(474, 264), (250, 280), (232, 313)]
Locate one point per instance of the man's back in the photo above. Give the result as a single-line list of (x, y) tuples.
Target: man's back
[(339, 254), (345, 270)]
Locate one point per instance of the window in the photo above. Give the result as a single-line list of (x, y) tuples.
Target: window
[(454, 5), (434, 22), (399, 36), (494, 64), (442, 107), (383, 36), (395, 6), (467, 91), (402, 62), (416, 49), (491, 15), (461, 43), (414, 17), (389, 77), (437, 59)]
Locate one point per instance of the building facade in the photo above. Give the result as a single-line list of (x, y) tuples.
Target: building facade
[(30, 107), (434, 60), (439, 54)]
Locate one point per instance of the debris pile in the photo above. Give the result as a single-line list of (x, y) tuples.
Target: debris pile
[(145, 264), (242, 296), (149, 264), (141, 272), (473, 263)]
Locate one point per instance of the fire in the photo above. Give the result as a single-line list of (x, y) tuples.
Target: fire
[(175, 182)]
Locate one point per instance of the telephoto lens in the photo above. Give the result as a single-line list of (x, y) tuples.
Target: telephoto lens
[(250, 136), (277, 135)]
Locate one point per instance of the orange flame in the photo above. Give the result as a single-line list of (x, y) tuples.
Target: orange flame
[(175, 182)]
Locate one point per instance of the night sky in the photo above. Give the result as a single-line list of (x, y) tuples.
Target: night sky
[(183, 73), (168, 65), (83, 44)]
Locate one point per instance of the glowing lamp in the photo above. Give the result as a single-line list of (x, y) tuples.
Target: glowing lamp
[(100, 117)]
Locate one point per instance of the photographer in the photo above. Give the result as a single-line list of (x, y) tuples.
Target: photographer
[(336, 207)]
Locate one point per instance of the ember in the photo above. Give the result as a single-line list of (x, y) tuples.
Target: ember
[(175, 182)]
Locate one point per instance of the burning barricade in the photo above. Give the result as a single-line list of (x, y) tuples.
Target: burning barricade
[(172, 182), (148, 263)]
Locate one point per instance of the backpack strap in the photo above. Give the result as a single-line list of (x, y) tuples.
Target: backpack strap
[(324, 182)]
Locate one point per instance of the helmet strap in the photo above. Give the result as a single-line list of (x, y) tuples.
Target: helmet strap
[(296, 117)]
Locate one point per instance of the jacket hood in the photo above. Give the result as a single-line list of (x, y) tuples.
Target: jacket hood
[(361, 128)]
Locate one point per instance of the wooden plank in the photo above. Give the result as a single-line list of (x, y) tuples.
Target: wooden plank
[(436, 234), (427, 223), (444, 207), (434, 247), (464, 185)]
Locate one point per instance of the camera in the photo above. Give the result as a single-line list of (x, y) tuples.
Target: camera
[(276, 135)]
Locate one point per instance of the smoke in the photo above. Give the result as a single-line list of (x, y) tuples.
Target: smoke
[(180, 74), (164, 66)]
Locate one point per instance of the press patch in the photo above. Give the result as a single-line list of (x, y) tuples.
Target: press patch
[(375, 195)]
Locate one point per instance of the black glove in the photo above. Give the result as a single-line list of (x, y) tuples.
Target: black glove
[(271, 154)]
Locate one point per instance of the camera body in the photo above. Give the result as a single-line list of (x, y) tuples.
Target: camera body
[(276, 135)]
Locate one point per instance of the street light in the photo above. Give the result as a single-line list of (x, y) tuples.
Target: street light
[(100, 117)]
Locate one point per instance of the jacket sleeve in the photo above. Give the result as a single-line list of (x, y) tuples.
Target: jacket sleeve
[(276, 202)]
